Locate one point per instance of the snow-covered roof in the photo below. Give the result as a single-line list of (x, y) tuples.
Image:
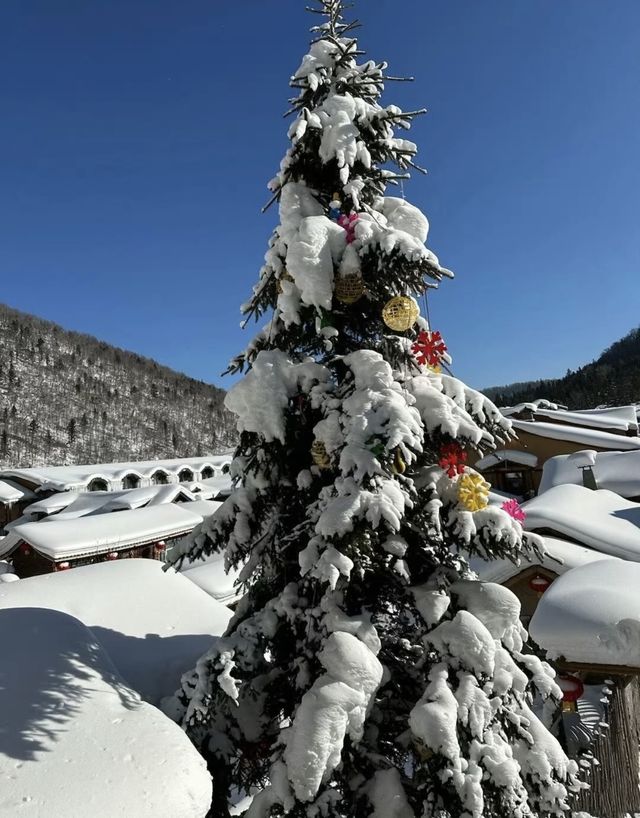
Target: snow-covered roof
[(575, 434), (76, 739), (531, 406), (11, 492), (513, 455), (592, 615), (615, 471), (100, 533), (212, 578), (622, 418), (600, 519), (154, 624), (65, 478), (559, 556), (53, 503)]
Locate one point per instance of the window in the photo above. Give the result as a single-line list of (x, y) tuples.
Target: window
[(185, 476), (98, 484), (130, 481), (206, 473), (159, 478)]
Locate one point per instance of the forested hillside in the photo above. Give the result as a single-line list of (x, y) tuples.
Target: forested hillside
[(69, 398), (612, 379)]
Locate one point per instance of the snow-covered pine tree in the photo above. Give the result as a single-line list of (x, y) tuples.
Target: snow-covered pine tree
[(364, 673)]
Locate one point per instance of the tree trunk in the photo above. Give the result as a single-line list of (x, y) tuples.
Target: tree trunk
[(615, 783)]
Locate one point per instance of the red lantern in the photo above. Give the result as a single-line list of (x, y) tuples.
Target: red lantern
[(539, 584), (160, 546), (24, 548), (572, 689), (112, 555), (63, 566)]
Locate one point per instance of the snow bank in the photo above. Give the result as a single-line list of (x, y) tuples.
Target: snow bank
[(592, 614), (154, 625), (615, 471), (76, 740), (600, 519)]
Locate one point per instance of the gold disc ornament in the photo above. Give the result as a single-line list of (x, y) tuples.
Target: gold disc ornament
[(319, 455), (349, 288), (400, 313)]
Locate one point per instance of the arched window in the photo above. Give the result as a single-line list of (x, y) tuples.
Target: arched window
[(185, 476), (130, 481), (159, 478), (98, 484), (226, 468), (206, 473)]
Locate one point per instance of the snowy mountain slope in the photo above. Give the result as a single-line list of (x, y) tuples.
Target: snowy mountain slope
[(69, 398)]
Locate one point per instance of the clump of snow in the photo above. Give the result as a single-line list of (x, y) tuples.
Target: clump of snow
[(76, 740), (334, 707), (260, 398)]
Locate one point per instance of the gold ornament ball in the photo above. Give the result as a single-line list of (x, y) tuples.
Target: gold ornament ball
[(349, 288), (286, 276), (319, 455), (400, 313)]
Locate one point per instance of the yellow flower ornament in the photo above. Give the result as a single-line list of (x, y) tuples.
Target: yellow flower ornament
[(473, 492)]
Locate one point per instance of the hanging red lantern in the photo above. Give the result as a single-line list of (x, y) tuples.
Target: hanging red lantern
[(63, 566), (25, 549), (539, 584), (112, 555), (160, 546), (572, 689)]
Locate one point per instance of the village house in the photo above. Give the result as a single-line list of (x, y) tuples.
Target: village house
[(59, 544), (543, 431), (42, 481)]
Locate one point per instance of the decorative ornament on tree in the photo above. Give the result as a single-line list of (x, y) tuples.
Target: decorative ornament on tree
[(319, 455), (399, 466), (286, 276), (349, 225), (349, 288), (514, 509), (473, 492), (400, 313), (335, 208), (429, 349), (452, 459)]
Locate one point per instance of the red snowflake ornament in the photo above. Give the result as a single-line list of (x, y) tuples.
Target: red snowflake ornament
[(452, 459), (429, 348)]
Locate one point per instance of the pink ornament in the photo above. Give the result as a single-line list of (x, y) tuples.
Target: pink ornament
[(513, 509), (348, 223)]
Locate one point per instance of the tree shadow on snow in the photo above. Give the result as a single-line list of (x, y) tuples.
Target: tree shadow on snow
[(49, 665)]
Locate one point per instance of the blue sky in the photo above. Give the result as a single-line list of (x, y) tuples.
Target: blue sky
[(137, 138)]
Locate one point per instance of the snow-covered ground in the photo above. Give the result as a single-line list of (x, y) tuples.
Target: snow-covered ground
[(153, 624), (76, 740)]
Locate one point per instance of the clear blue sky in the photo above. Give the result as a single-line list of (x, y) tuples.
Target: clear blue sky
[(137, 138)]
